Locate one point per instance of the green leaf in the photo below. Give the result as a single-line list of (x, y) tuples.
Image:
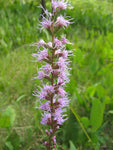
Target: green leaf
[(4, 121), (9, 145), (100, 91), (15, 140), (72, 146), (11, 113), (91, 91), (110, 112), (20, 97), (96, 116), (108, 100), (85, 121)]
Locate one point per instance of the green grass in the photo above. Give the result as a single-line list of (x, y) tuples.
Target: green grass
[(17, 72)]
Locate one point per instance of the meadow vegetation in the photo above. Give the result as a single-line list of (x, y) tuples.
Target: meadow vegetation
[(90, 123)]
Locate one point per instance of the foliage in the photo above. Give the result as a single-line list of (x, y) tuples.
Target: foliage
[(90, 86)]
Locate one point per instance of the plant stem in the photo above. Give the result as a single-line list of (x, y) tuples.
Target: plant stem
[(52, 82), (75, 114)]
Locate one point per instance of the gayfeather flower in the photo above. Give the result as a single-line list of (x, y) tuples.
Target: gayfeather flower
[(47, 68), (63, 102), (57, 43), (42, 55), (49, 89), (46, 23), (41, 43), (62, 78), (61, 22), (62, 4), (40, 75), (52, 99), (54, 5), (62, 63), (46, 118), (61, 92), (64, 54), (49, 44), (65, 41), (45, 106)]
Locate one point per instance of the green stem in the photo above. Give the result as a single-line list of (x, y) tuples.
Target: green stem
[(75, 114), (77, 117)]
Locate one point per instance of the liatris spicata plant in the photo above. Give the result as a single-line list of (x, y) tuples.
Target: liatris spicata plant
[(52, 97)]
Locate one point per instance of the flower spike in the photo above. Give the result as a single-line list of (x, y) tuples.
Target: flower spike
[(52, 99)]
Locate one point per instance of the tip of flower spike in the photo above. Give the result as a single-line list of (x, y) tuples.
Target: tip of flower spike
[(60, 5)]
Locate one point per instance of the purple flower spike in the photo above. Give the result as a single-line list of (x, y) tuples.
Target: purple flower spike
[(51, 97)]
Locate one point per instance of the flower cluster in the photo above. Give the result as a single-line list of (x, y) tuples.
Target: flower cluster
[(52, 97)]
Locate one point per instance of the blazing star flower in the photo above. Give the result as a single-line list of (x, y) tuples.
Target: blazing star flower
[(49, 89), (45, 106), (61, 92), (61, 22), (62, 63), (48, 69), (43, 55), (40, 75), (41, 43), (42, 95), (62, 4), (62, 78), (64, 54), (65, 41), (46, 118), (57, 43), (52, 99), (58, 116), (63, 102), (45, 143), (54, 5), (46, 23), (49, 44), (59, 4)]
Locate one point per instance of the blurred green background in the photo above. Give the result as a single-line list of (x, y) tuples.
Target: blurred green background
[(90, 123)]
